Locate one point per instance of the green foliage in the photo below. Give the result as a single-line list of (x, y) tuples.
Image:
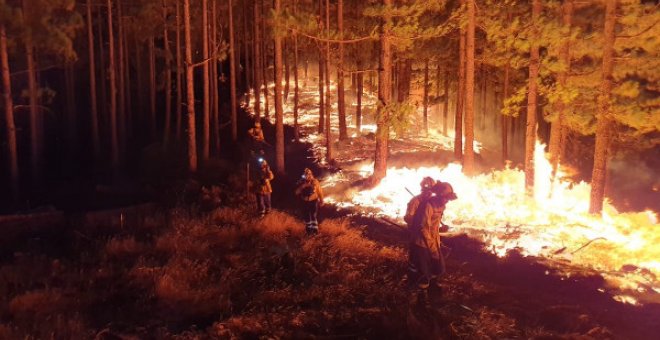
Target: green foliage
[(396, 115)]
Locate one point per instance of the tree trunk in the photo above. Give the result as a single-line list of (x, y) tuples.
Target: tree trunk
[(426, 97), (321, 93), (257, 61), (279, 111), (121, 81), (168, 80), (206, 106), (604, 126), (530, 134), (192, 145), (341, 104), (445, 109), (358, 107), (152, 87), (94, 114), (557, 129), (460, 93), (329, 152), (384, 96), (287, 73), (128, 104), (179, 75), (36, 121), (114, 137), (72, 122), (247, 76), (505, 120), (102, 74), (296, 132), (214, 86), (264, 55), (232, 75), (9, 115), (468, 159)]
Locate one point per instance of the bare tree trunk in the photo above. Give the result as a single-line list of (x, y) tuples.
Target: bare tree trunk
[(358, 108), (384, 96), (445, 109), (558, 130), (530, 134), (232, 75), (247, 70), (426, 97), (605, 125), (215, 93), (460, 95), (468, 159), (9, 115), (72, 121), (36, 122), (321, 93), (114, 140), (103, 100), (343, 131), (505, 120), (152, 87), (94, 118), (264, 56), (279, 111), (168, 79), (128, 114), (257, 61), (179, 75), (329, 152), (206, 112), (192, 145), (287, 73), (121, 81), (296, 132)]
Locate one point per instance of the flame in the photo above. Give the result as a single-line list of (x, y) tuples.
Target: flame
[(555, 223)]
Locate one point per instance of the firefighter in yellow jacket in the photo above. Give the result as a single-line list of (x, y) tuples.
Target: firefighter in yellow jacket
[(309, 191), (425, 253), (264, 189)]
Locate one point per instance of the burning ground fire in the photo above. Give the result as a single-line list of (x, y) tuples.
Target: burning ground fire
[(553, 225)]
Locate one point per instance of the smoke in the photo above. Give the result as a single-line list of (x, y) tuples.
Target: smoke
[(633, 184)]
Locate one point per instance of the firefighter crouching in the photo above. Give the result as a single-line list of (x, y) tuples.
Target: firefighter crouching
[(311, 195), (426, 262)]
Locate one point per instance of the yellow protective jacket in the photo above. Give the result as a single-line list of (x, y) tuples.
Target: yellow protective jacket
[(426, 221), (310, 190), (257, 134), (265, 176), (413, 204)]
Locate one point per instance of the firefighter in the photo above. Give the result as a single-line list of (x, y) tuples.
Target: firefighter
[(264, 189), (311, 195), (257, 139), (425, 246), (426, 184)]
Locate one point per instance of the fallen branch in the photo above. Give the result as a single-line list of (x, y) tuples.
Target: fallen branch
[(587, 244)]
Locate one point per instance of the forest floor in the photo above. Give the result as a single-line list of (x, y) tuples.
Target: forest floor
[(202, 264)]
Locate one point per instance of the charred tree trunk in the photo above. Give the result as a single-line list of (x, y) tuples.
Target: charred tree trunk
[(287, 73), (94, 114), (114, 137), (341, 104), (152, 88), (530, 134), (102, 73), (206, 104), (426, 97), (9, 114), (505, 119), (256, 46), (264, 55), (468, 159), (605, 125), (36, 132), (557, 129), (121, 80), (445, 109), (384, 96), (279, 111), (168, 80), (72, 122), (358, 107), (192, 145), (329, 152), (321, 128), (296, 132), (214, 86), (232, 74), (179, 75), (247, 70), (460, 95)]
